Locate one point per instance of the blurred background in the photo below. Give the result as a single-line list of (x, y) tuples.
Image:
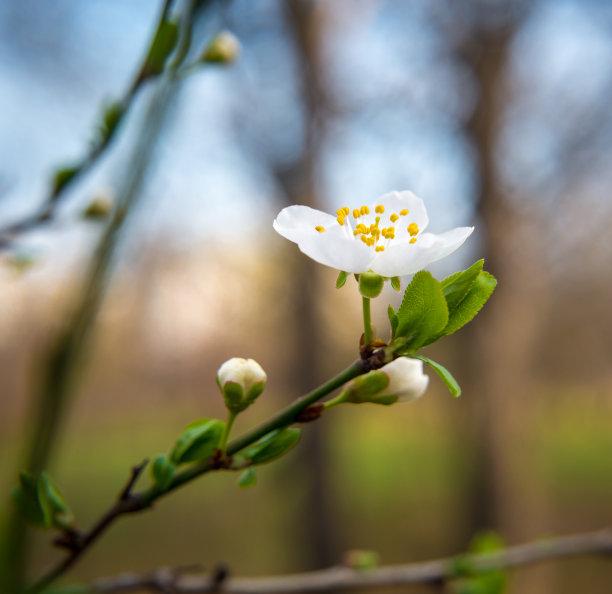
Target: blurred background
[(496, 112)]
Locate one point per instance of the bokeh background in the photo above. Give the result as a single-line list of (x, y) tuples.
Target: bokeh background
[(497, 113)]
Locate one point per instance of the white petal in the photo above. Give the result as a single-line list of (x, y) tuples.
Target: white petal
[(293, 222), (402, 258), (341, 253), (394, 202)]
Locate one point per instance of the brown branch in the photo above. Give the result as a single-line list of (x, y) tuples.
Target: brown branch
[(346, 578)]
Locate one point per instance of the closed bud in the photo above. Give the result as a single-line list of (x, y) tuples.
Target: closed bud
[(241, 381), (401, 380), (223, 49)]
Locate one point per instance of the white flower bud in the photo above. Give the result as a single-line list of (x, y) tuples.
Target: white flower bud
[(223, 49), (401, 380), (241, 381)]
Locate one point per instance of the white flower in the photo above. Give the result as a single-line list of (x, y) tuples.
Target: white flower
[(402, 380), (386, 237), (241, 381)]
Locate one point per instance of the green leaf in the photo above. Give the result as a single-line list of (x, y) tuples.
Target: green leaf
[(247, 478), (477, 295), (480, 582), (198, 441), (445, 375), (423, 312), (62, 176), (456, 286), (25, 497), (272, 446), (111, 115), (393, 319), (396, 285), (341, 280), (162, 471), (163, 43), (53, 503)]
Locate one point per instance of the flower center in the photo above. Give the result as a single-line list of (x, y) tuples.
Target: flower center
[(370, 230)]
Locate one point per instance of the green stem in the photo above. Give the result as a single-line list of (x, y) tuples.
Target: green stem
[(231, 417), (283, 418), (367, 321)]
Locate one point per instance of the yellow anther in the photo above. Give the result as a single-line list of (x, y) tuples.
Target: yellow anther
[(346, 211), (356, 213), (340, 220), (361, 228), (413, 229), (340, 212), (356, 232), (380, 208), (393, 218), (371, 241), (404, 212), (365, 210), (412, 240), (364, 239), (320, 229), (380, 248)]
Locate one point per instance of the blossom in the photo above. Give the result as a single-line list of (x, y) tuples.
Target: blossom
[(241, 381), (401, 380), (386, 237)]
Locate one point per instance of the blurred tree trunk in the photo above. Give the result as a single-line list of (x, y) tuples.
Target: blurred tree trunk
[(298, 182)]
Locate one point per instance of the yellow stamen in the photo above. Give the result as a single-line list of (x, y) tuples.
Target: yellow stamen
[(413, 229), (393, 218), (340, 220), (364, 239), (361, 228), (412, 240), (404, 212), (340, 212), (380, 208), (380, 248), (365, 210), (346, 211), (320, 229), (356, 213)]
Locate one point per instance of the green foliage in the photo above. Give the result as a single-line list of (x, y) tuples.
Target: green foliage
[(162, 471), (164, 42), (62, 176), (40, 502), (362, 560), (274, 445), (247, 478), (445, 375), (393, 320), (423, 312), (341, 280), (475, 581), (396, 285), (99, 208), (198, 441), (111, 115)]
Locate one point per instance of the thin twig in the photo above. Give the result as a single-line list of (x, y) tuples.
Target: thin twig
[(346, 578), (46, 212)]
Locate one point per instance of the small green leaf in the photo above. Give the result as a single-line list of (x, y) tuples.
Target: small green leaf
[(198, 441), (99, 208), (272, 446), (396, 285), (25, 497), (111, 116), (445, 375), (163, 43), (62, 176), (393, 319), (53, 503), (162, 471), (423, 312), (341, 280), (456, 286), (247, 478), (478, 581), (472, 303)]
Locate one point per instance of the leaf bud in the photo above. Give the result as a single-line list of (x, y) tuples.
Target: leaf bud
[(223, 49), (241, 381)]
